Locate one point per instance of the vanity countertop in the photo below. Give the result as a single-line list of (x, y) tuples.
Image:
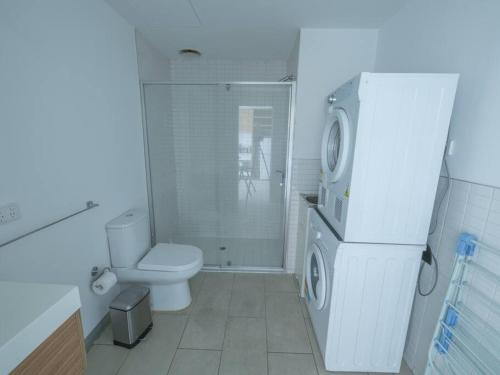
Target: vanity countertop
[(29, 314)]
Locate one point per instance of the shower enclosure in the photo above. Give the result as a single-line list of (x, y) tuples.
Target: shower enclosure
[(217, 156)]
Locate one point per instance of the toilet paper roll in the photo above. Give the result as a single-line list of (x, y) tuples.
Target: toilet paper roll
[(104, 283)]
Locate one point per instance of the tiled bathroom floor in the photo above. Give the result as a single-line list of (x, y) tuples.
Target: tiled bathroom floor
[(238, 324)]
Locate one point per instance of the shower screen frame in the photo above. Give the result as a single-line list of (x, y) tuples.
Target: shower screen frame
[(288, 161)]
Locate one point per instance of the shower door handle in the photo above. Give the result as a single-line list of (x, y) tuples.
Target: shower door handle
[(282, 174)]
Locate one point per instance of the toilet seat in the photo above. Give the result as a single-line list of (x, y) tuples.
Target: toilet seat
[(171, 257)]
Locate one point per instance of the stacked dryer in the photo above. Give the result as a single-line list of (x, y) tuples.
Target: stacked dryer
[(381, 156)]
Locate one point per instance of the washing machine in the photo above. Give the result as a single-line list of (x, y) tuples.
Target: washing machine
[(319, 266), (381, 155), (359, 297)]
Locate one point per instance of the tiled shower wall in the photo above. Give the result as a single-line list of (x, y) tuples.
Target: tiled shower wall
[(211, 198), (305, 179), (192, 105), (158, 104), (467, 207), (305, 172), (202, 70)]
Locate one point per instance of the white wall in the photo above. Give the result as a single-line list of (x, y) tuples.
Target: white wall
[(154, 67), (455, 36), (292, 64), (70, 132), (459, 37), (467, 207), (327, 59)]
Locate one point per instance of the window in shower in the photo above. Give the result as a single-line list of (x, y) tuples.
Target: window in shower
[(216, 156), (254, 157)]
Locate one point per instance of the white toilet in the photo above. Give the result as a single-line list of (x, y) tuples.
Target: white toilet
[(166, 268)]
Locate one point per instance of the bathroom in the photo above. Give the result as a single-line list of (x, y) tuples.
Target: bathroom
[(214, 149)]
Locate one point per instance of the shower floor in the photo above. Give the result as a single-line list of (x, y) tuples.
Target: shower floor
[(237, 252)]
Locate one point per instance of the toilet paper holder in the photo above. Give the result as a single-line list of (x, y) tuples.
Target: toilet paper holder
[(95, 274)]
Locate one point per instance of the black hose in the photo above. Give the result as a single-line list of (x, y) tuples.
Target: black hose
[(436, 277)]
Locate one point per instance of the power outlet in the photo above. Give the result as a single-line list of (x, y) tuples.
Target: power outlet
[(9, 212), (427, 255)]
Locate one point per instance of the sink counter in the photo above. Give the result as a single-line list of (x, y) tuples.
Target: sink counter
[(29, 314)]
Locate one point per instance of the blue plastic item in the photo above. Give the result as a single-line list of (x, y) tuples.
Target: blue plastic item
[(466, 245), (446, 336)]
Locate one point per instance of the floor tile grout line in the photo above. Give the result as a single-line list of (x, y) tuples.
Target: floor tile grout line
[(227, 320), (123, 362), (296, 353), (179, 342), (265, 321), (172, 361), (188, 317), (201, 349), (207, 350), (220, 359), (226, 323), (183, 331), (309, 338), (247, 316)]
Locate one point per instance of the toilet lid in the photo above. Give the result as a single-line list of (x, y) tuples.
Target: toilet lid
[(171, 257)]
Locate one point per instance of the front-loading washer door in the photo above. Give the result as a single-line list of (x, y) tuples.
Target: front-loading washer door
[(335, 145), (316, 277)]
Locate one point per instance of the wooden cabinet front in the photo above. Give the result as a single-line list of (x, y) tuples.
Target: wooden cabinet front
[(62, 353)]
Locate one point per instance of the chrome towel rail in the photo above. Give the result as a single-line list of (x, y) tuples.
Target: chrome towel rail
[(89, 205)]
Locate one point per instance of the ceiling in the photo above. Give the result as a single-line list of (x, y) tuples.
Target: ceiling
[(250, 29)]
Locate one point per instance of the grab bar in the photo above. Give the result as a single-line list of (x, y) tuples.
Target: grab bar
[(90, 205)]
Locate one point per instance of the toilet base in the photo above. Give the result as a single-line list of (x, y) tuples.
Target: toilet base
[(170, 297)]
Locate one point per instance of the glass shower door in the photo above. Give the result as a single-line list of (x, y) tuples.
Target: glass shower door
[(217, 156)]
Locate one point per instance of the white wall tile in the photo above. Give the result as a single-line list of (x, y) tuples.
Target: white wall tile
[(305, 179), (201, 161), (200, 106), (203, 70), (470, 208)]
